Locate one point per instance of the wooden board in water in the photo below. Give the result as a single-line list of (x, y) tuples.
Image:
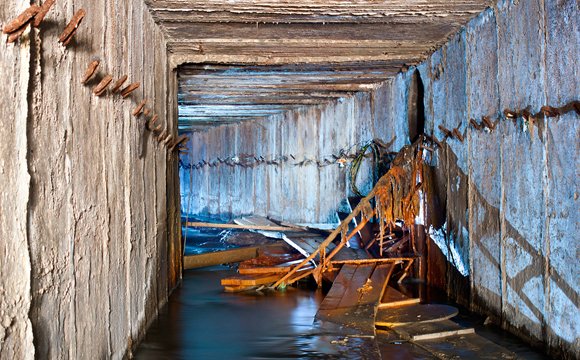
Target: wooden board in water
[(354, 296), (406, 315), (250, 280), (432, 330), (394, 298)]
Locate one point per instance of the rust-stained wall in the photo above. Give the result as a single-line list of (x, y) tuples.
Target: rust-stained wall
[(87, 196)]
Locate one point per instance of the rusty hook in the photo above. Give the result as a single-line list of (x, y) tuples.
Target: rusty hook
[(487, 122), (446, 131), (457, 134), (21, 20), (139, 109), (475, 124)]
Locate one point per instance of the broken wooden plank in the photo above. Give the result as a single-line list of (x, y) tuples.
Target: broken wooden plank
[(354, 297), (250, 280), (394, 298), (432, 330), (334, 296), (264, 270), (219, 257), (406, 315), (358, 283), (470, 346), (370, 261), (378, 284), (235, 226)]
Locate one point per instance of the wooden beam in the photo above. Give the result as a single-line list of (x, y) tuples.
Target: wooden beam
[(219, 257), (236, 226)]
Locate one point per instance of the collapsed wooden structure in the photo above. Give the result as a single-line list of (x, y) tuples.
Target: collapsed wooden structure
[(380, 231)]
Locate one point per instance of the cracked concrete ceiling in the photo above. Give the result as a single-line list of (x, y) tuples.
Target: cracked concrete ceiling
[(248, 59)]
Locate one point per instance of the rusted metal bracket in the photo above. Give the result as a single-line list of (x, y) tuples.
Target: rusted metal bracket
[(475, 124), (139, 109), (178, 141), (90, 72), (446, 131), (457, 134), (129, 89), (152, 122), (44, 9), (16, 27), (102, 86), (488, 123), (21, 20), (70, 30), (119, 83)]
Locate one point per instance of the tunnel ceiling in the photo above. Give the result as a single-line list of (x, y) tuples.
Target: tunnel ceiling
[(264, 57)]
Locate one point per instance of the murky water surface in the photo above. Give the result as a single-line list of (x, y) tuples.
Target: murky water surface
[(201, 321)]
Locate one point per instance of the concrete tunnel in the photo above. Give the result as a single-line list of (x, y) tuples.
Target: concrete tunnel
[(124, 120)]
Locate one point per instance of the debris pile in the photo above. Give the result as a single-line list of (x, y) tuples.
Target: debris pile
[(379, 230)]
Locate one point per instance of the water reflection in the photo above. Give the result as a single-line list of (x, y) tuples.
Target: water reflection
[(202, 322)]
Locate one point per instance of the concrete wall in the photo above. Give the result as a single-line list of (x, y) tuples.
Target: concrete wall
[(509, 196), (86, 256), (300, 193)]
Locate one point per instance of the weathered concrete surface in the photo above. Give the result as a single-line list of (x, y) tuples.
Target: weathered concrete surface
[(16, 340), (510, 193), (88, 198)]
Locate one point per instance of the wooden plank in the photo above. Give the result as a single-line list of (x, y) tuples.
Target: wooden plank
[(219, 257), (336, 292), (400, 303), (414, 314), (369, 261), (394, 298), (250, 280), (354, 297), (431, 330), (470, 346), (235, 226), (356, 286), (264, 270), (378, 283)]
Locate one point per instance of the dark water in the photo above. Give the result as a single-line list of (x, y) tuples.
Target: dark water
[(201, 321)]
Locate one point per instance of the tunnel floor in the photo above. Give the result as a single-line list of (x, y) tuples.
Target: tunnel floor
[(201, 321)]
